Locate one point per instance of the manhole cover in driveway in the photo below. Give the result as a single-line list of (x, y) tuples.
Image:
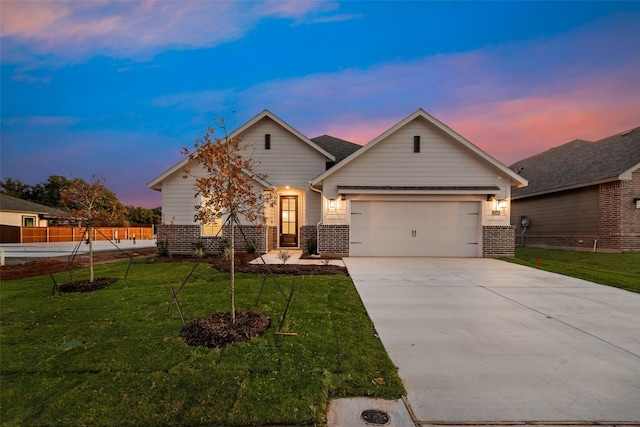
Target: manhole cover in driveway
[(374, 416)]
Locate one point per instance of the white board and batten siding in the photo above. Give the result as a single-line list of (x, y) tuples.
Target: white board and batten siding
[(392, 162), (178, 199), (289, 162)]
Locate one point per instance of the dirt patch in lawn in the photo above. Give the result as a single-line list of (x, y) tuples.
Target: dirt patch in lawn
[(86, 285)]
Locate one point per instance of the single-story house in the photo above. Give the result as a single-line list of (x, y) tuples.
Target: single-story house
[(419, 189), (16, 213), (581, 194), (23, 213)]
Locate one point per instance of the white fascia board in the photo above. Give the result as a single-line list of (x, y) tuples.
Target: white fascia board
[(156, 183)]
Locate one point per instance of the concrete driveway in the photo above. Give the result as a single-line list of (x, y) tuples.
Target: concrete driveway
[(486, 341)]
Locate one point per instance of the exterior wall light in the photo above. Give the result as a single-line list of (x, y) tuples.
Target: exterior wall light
[(501, 204), (332, 204), (637, 202)]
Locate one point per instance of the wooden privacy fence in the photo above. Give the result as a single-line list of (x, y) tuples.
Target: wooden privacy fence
[(75, 234)]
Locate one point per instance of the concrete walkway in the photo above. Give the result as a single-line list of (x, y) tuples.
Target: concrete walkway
[(271, 257), (488, 342)]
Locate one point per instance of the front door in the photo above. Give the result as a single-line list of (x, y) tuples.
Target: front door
[(288, 221)]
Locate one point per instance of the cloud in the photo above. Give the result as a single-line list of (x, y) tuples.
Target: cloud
[(40, 121), (76, 30), (512, 100), (515, 129), (202, 101)]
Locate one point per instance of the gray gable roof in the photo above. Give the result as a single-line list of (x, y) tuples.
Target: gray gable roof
[(340, 148), (14, 204), (579, 163)]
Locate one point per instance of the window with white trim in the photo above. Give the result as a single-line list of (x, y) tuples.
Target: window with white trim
[(212, 228), (28, 221)]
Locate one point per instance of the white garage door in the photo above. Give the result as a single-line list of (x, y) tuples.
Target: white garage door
[(447, 229)]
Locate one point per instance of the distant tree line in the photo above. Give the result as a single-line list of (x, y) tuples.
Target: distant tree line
[(50, 192)]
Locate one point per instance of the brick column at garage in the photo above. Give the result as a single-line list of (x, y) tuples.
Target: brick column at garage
[(334, 239), (498, 241)]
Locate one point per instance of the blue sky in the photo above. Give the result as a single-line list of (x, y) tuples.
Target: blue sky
[(116, 89)]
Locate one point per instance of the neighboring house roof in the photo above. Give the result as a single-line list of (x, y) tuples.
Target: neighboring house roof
[(580, 163), (340, 148), (14, 204), (155, 183), (519, 180)]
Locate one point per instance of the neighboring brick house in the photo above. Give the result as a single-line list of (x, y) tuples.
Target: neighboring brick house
[(419, 189), (582, 195)]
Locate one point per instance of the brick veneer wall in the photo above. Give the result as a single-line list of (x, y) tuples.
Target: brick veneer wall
[(629, 214), (558, 241), (245, 234), (498, 241), (618, 222), (183, 237), (273, 238), (609, 215), (334, 239), (307, 232)]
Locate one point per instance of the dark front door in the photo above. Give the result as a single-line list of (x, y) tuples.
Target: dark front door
[(288, 221)]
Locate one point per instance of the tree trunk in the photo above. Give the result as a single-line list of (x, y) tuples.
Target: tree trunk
[(233, 270), (91, 276)]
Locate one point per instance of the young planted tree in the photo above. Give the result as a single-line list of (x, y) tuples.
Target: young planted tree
[(225, 187), (94, 204)]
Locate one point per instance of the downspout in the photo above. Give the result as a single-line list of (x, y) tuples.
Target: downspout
[(321, 216)]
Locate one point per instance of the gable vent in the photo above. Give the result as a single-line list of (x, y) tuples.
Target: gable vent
[(416, 144), (267, 141)]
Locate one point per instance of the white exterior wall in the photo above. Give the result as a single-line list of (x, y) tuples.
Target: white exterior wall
[(178, 201), (290, 162), (440, 162), (15, 219)]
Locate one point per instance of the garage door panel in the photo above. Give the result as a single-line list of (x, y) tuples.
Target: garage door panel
[(415, 229)]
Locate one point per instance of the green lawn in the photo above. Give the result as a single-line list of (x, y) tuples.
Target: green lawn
[(619, 270), (113, 357)]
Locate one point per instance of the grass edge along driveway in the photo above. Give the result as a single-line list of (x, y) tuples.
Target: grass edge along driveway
[(621, 270), (114, 356)]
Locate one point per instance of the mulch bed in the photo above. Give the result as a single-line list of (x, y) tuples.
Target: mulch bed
[(242, 260), (57, 265), (217, 330), (86, 285)]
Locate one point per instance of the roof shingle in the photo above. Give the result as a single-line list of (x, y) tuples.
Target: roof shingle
[(340, 148), (14, 204), (579, 163)]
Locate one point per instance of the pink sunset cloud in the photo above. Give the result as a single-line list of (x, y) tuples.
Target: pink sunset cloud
[(512, 108), (80, 29), (511, 130)]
